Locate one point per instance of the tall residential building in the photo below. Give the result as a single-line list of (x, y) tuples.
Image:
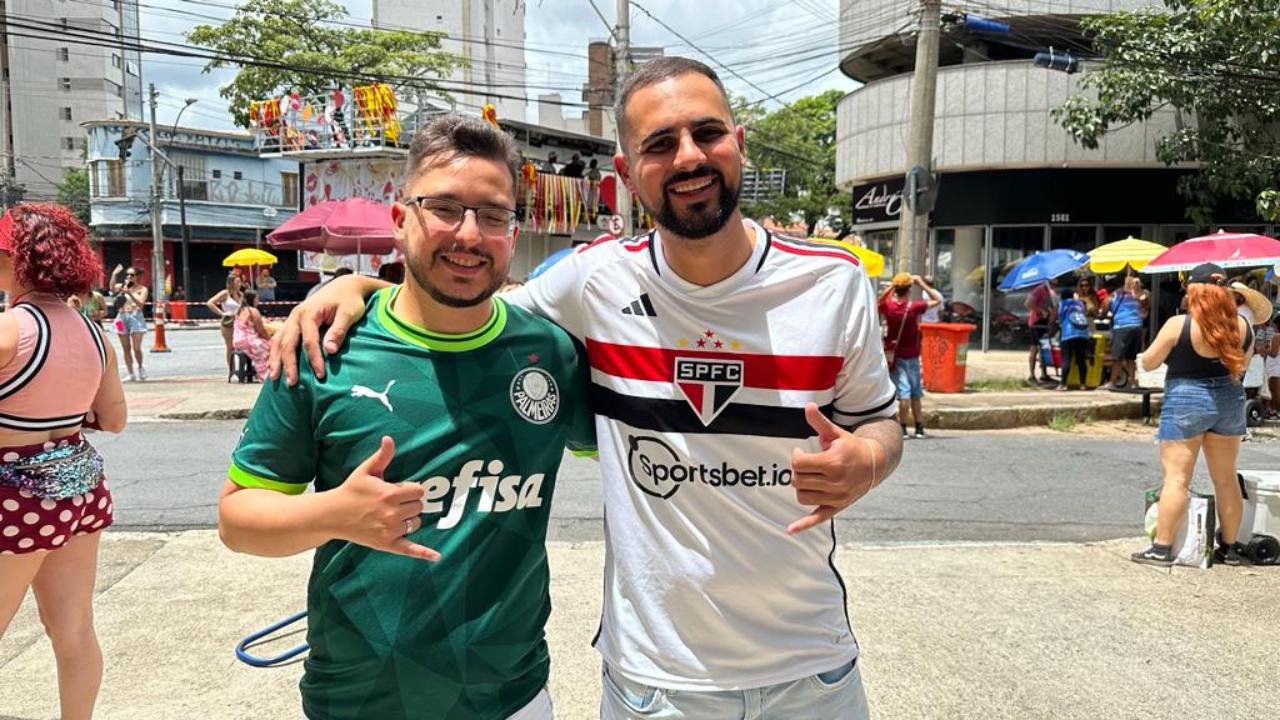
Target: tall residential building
[(489, 34), (53, 82)]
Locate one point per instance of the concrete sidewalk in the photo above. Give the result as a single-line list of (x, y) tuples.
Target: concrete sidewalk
[(211, 397), (987, 632)]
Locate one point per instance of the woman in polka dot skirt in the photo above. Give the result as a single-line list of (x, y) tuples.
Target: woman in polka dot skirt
[(57, 374)]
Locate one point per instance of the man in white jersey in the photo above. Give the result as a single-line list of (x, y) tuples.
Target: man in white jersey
[(741, 398)]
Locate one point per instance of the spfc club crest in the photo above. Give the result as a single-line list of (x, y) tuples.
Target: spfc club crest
[(708, 384)]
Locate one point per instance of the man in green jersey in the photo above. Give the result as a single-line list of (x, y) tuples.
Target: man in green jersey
[(465, 401)]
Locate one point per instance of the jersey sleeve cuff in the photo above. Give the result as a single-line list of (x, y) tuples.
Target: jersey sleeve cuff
[(249, 480), (585, 452), (848, 419)]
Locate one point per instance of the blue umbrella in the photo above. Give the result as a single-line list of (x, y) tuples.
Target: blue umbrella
[(1043, 266), (552, 259)]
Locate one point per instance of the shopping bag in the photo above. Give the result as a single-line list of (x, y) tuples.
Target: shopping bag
[(1193, 545)]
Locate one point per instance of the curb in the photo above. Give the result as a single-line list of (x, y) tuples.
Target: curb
[(1005, 418), (223, 414), (989, 418)]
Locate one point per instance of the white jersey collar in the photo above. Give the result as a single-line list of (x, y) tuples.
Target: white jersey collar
[(729, 284)]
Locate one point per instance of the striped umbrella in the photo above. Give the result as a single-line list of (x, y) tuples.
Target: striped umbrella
[(1129, 252)]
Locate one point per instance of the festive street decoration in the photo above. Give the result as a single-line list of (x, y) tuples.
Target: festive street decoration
[(357, 117)]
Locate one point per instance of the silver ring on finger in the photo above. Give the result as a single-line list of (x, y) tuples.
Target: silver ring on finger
[(408, 526)]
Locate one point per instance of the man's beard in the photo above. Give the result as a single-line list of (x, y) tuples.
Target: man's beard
[(421, 275), (697, 222)]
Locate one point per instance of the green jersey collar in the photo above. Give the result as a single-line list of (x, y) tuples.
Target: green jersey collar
[(422, 337)]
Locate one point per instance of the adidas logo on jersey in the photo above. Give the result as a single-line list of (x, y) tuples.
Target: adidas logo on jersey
[(497, 493), (641, 306)]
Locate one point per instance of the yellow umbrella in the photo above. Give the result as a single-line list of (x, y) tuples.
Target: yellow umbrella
[(1129, 252), (871, 260), (249, 256)]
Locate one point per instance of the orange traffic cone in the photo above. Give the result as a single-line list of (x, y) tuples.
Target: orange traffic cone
[(157, 344)]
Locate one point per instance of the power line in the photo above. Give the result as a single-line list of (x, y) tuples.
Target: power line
[(99, 39)]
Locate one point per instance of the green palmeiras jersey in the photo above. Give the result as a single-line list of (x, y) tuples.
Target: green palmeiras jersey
[(481, 421)]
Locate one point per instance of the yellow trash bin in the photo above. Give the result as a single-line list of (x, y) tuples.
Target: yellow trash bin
[(1096, 361)]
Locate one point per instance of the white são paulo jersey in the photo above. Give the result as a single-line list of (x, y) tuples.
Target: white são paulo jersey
[(699, 397)]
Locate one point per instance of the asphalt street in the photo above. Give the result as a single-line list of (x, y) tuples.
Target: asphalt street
[(193, 352), (959, 486), (1031, 485)]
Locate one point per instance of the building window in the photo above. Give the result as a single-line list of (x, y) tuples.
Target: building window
[(289, 189), (64, 83), (131, 69), (217, 174), (113, 88), (112, 171), (64, 54), (238, 175), (68, 143), (195, 182), (115, 60), (65, 113)]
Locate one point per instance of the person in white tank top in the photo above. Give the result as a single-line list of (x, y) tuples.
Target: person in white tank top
[(225, 305)]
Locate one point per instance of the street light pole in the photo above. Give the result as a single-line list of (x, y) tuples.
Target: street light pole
[(182, 203), (157, 240)]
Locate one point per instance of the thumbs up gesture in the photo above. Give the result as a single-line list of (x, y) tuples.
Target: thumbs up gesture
[(831, 480), (378, 514)]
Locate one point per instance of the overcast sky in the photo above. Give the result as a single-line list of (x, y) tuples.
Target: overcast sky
[(776, 46)]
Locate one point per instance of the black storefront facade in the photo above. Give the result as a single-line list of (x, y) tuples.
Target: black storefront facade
[(985, 221)]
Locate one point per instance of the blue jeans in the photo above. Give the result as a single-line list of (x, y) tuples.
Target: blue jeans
[(1195, 407), (833, 695), (906, 376)]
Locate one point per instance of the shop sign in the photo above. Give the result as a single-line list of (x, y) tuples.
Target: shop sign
[(878, 202)]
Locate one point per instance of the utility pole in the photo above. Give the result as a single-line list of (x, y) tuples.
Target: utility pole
[(913, 233), (157, 235), (622, 68), (10, 191)]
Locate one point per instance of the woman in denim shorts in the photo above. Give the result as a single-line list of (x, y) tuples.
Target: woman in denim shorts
[(1206, 352)]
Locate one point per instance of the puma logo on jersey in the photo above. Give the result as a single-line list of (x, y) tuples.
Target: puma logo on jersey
[(497, 493), (362, 391)]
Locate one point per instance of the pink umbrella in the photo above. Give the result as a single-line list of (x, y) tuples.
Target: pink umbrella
[(338, 227), (1230, 250)]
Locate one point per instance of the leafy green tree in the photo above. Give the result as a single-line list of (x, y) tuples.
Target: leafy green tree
[(73, 193), (309, 52), (801, 139), (1217, 63)]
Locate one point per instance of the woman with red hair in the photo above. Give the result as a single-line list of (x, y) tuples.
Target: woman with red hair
[(1206, 352), (57, 374)]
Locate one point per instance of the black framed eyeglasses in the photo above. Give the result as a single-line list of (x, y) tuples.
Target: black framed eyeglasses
[(448, 215)]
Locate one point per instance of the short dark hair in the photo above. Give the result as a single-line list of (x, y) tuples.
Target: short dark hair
[(453, 135), (655, 71)]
